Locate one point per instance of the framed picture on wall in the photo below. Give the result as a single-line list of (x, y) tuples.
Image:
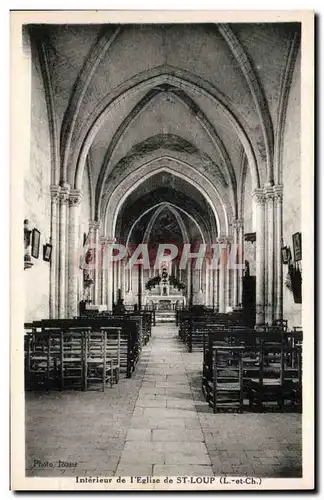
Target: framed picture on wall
[(35, 243), (285, 255), (297, 245), (47, 252)]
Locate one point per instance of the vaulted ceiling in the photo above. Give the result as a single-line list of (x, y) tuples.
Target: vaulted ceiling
[(208, 96)]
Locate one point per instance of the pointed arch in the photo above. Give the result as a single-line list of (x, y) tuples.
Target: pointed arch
[(146, 81), (283, 104), (95, 56), (256, 90), (200, 116), (147, 170)]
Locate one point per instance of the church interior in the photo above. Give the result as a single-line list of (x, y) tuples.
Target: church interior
[(144, 135)]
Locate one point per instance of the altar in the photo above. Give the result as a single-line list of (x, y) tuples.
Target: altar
[(164, 293)]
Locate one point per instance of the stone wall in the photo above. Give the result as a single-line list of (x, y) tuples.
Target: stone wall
[(37, 179), (292, 187)]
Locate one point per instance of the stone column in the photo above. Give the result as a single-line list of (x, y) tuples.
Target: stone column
[(222, 278), (234, 261), (221, 300), (259, 196), (110, 278), (64, 196), (205, 272), (228, 273), (118, 276), (73, 252), (278, 191), (210, 285), (53, 309), (95, 245), (123, 278), (240, 244), (216, 284), (139, 287), (189, 284), (103, 270), (270, 256), (237, 262)]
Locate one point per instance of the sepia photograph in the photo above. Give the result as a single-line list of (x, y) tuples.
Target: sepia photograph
[(159, 343)]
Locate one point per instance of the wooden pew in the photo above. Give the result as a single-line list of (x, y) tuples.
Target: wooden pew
[(130, 337), (277, 383), (271, 364), (195, 328), (223, 337)]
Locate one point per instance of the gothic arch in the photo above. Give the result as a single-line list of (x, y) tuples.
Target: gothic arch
[(283, 103), (147, 170), (146, 81), (137, 110), (95, 56), (256, 91)]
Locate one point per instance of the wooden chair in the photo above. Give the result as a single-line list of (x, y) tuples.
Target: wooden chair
[(113, 348), (73, 342), (277, 382), (102, 358), (37, 360), (42, 358), (227, 378)]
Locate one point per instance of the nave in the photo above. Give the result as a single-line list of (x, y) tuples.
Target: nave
[(156, 423), (165, 249)]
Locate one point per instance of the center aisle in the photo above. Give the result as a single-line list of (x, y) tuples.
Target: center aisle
[(164, 435)]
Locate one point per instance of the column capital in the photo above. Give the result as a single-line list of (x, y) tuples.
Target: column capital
[(55, 192), (94, 225), (103, 240), (269, 194), (225, 240), (64, 192), (259, 196), (278, 192), (106, 240), (238, 223), (75, 197)]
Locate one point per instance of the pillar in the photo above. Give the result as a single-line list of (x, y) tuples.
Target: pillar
[(63, 196), (118, 276), (209, 285), (110, 278), (269, 311), (95, 245), (259, 196), (237, 262), (75, 197), (140, 286), (189, 283), (123, 278), (222, 277), (53, 301), (216, 286), (240, 248), (103, 270), (278, 191), (234, 264), (221, 300)]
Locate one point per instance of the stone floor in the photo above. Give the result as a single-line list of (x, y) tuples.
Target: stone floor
[(156, 423)]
